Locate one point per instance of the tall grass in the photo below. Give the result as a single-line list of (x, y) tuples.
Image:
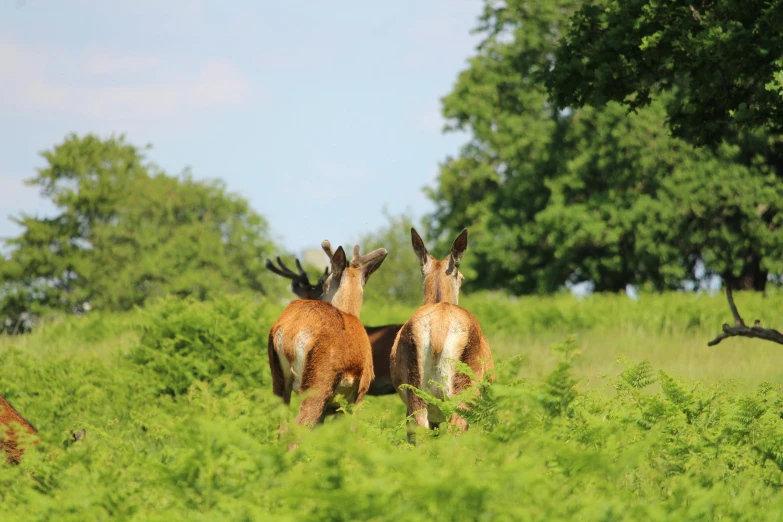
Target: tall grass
[(603, 409)]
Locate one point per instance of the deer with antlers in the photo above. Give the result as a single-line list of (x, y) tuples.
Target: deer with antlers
[(320, 346), (381, 337), (438, 331)]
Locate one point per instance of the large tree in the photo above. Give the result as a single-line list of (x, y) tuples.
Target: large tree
[(722, 58), (125, 232), (594, 194)]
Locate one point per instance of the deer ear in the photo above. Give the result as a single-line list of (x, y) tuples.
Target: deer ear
[(418, 247), (459, 246), (339, 262)]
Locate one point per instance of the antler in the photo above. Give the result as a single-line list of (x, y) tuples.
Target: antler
[(358, 261), (327, 247), (742, 330), (284, 271)]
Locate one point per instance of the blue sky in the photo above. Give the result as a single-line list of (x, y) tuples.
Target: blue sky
[(320, 113)]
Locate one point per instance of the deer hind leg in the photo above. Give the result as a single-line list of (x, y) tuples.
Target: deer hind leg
[(417, 415), (459, 383), (281, 380), (319, 387), (313, 409)]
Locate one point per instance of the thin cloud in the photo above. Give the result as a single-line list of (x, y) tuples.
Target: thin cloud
[(95, 88), (441, 39)]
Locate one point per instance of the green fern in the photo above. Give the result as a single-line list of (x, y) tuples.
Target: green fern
[(559, 388), (639, 376)]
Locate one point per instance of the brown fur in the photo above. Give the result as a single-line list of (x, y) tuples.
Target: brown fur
[(10, 422), (322, 348), (381, 337), (337, 350), (438, 330), (382, 340)]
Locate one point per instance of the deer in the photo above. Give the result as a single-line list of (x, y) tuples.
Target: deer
[(320, 346), (437, 331), (381, 337), (9, 420)]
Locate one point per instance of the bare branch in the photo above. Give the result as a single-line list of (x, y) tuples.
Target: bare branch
[(740, 329), (734, 312)]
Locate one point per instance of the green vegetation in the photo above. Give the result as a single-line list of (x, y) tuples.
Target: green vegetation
[(723, 59), (182, 424), (126, 232), (592, 194)]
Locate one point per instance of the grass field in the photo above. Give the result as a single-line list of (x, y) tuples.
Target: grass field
[(603, 409)]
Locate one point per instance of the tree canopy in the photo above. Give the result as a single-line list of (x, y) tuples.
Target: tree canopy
[(723, 59), (125, 232), (593, 194)]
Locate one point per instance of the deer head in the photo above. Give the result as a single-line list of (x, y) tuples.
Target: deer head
[(344, 286), (442, 278), (300, 283)]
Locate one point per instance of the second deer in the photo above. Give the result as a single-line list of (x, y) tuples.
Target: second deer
[(381, 337), (321, 347), (437, 331)]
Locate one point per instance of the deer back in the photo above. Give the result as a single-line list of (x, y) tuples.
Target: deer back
[(319, 344)]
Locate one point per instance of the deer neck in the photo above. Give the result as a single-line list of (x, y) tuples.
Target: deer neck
[(438, 288), (349, 296)]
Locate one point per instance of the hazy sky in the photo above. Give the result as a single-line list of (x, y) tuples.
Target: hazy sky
[(319, 112)]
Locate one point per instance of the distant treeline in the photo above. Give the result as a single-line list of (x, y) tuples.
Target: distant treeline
[(558, 183)]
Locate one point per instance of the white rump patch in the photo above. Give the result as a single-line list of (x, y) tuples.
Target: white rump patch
[(437, 367), (452, 349), (301, 343), (284, 364)]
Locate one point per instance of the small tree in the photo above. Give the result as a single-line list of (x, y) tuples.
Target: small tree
[(126, 232)]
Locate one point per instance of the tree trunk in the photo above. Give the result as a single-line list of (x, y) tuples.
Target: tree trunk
[(751, 278)]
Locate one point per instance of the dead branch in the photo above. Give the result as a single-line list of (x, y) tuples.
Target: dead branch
[(740, 329)]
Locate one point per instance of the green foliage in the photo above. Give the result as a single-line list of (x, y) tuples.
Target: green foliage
[(399, 278), (648, 446), (558, 390), (219, 342), (126, 233), (594, 194), (723, 60)]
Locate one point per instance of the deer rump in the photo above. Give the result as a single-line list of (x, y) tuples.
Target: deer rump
[(434, 334), (318, 348)]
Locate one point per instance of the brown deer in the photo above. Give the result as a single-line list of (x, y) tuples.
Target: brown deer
[(381, 337), (437, 331), (10, 421), (320, 346)]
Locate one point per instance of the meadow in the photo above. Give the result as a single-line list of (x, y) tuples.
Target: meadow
[(604, 408)]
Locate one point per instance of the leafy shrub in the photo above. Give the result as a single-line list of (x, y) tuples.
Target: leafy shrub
[(186, 341)]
